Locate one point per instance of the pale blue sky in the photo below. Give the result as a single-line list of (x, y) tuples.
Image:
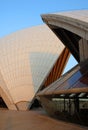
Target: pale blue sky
[(19, 14)]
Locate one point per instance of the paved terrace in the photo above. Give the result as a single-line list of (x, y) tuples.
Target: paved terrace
[(21, 120)]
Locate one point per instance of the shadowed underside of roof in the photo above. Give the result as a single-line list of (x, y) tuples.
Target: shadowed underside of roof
[(72, 29), (69, 27)]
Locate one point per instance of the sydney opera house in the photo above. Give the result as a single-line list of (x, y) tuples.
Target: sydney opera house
[(28, 56), (32, 64)]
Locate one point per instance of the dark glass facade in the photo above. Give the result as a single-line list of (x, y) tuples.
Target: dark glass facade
[(68, 96), (72, 108)]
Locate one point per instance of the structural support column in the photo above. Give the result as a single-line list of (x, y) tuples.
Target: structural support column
[(83, 49), (76, 101)]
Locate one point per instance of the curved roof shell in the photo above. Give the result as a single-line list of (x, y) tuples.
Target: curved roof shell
[(71, 20), (70, 27), (27, 57)]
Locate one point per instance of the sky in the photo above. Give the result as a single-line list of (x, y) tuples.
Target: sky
[(19, 14)]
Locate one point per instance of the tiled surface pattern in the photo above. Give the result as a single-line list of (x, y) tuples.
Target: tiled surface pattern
[(26, 58)]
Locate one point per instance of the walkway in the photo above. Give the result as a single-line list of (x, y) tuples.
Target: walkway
[(21, 120)]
